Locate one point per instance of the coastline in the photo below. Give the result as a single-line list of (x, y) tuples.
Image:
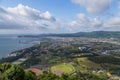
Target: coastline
[(10, 44)]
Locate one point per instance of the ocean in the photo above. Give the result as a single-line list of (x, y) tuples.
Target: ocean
[(12, 43)]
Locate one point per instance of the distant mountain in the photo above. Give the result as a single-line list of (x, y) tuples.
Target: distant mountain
[(94, 34), (99, 34)]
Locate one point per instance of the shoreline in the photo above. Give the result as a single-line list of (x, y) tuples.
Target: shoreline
[(13, 44)]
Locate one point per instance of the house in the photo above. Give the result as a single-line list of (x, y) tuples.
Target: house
[(35, 70), (84, 48), (100, 71)]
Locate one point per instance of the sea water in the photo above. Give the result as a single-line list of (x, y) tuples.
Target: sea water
[(9, 44)]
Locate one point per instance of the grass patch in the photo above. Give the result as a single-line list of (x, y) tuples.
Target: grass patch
[(86, 62), (84, 65), (64, 68), (19, 61)]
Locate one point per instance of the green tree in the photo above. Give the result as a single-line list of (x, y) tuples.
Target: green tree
[(15, 73), (49, 76), (4, 67), (30, 76), (11, 72)]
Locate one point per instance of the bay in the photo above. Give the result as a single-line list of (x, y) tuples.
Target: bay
[(12, 43)]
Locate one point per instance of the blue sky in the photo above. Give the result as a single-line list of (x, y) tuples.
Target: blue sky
[(59, 8), (58, 16)]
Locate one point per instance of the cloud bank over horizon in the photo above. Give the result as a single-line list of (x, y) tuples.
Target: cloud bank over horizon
[(24, 19)]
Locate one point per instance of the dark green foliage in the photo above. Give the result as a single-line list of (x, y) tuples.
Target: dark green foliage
[(11, 72), (31, 61), (14, 73), (49, 76), (11, 59), (105, 59), (30, 76), (70, 77), (4, 67)]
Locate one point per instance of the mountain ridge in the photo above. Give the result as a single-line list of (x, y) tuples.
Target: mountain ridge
[(93, 34)]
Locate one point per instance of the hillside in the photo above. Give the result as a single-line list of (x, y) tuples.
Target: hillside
[(14, 72), (72, 56)]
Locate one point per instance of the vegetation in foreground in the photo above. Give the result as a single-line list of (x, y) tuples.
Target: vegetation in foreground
[(14, 72)]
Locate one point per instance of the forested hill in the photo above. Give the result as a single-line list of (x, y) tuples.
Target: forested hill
[(94, 34), (99, 34)]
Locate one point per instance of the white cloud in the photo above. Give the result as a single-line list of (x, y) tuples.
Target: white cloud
[(114, 21), (29, 19), (24, 19), (84, 23), (94, 6), (81, 16), (79, 24), (96, 22), (112, 24)]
